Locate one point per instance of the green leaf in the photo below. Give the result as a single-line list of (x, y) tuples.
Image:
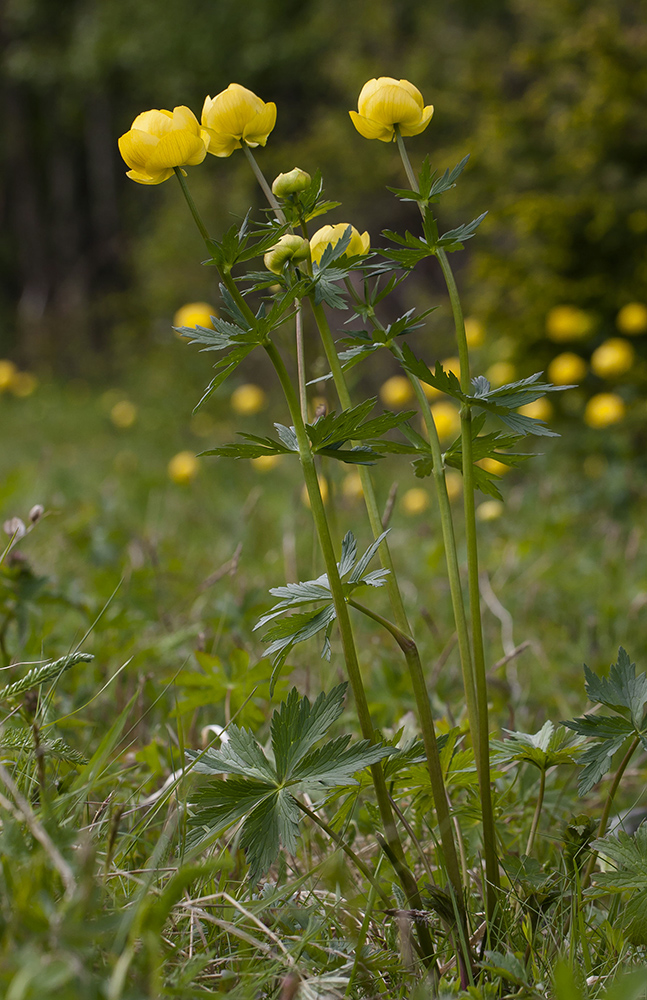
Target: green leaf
[(611, 734), (629, 854), (455, 238), (621, 689), (508, 966), (526, 871), (551, 746), (239, 754), (297, 725), (50, 671), (23, 740)]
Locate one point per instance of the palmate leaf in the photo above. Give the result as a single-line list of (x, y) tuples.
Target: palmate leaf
[(610, 735), (629, 854), (621, 689), (329, 433), (551, 746), (264, 792)]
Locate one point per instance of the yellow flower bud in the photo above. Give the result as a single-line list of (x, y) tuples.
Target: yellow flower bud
[(289, 247), (385, 103), (123, 414), (183, 468), (614, 357), (489, 510), (568, 323), (194, 314), (248, 399), (566, 368), (234, 116), (474, 331), (632, 318), (291, 183), (158, 141), (7, 374), (396, 391), (415, 501), (539, 409), (446, 418), (331, 235), (500, 373), (604, 409)]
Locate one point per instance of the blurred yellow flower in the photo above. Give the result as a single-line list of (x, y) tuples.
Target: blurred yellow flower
[(500, 373), (604, 409), (385, 103), (292, 182), (234, 116), (248, 399), (323, 489), (493, 465), (447, 419), (489, 510), (454, 483), (183, 468), (266, 462), (194, 314), (123, 414), (331, 235), (415, 501), (23, 384), (539, 409), (397, 391), (7, 373), (614, 357), (289, 247), (449, 365), (566, 368), (632, 318), (158, 141), (351, 486), (474, 331), (568, 323)]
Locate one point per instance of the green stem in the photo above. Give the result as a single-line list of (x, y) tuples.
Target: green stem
[(535, 819), (192, 206), (604, 818), (267, 190)]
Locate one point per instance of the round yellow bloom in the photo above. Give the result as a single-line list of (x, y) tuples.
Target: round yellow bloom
[(292, 182), (351, 486), (234, 116), (123, 414), (474, 331), (158, 141), (248, 399), (331, 235), (500, 373), (614, 357), (489, 510), (183, 468), (539, 409), (632, 318), (494, 466), (568, 323), (289, 247), (265, 462), (604, 409), (566, 368), (385, 103), (447, 419), (23, 384), (194, 314), (396, 391), (415, 501), (7, 373)]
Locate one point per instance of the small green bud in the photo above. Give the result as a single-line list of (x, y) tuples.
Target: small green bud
[(291, 183), (289, 247)]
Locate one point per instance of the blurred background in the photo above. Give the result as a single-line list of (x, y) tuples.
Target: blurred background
[(550, 101)]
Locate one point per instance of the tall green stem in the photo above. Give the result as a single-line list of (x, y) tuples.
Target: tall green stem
[(604, 818), (192, 207), (267, 190), (535, 819)]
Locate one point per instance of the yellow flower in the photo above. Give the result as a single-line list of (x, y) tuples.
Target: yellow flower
[(194, 314), (604, 409), (351, 486), (494, 466), (183, 467), (266, 462), (23, 384), (234, 116), (454, 483), (158, 141), (568, 323), (123, 414), (289, 247), (632, 318), (415, 501), (474, 331), (385, 103), (489, 510), (500, 373), (331, 235), (7, 374), (396, 391), (540, 409), (248, 399), (447, 419), (614, 357), (291, 183), (566, 368)]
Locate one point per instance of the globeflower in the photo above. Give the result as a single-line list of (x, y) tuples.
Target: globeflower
[(234, 116), (568, 323), (603, 410), (159, 141), (291, 183), (331, 235), (386, 103), (632, 318), (612, 358), (289, 247)]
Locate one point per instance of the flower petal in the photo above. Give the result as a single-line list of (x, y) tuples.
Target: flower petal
[(219, 144), (154, 122), (421, 125), (143, 178), (392, 105), (176, 148), (136, 147), (371, 129), (184, 118), (257, 131)]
